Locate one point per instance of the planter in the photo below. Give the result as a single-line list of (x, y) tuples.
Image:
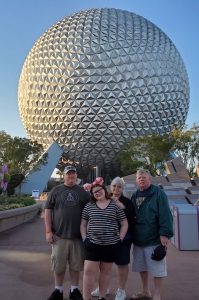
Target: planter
[(14, 217)]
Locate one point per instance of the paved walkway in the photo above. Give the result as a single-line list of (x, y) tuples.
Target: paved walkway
[(25, 272)]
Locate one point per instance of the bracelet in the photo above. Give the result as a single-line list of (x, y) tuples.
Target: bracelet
[(48, 232)]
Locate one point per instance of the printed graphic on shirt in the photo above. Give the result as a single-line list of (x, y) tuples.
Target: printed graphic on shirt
[(139, 201), (69, 198)]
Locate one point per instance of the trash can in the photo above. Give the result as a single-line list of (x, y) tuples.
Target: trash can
[(186, 227)]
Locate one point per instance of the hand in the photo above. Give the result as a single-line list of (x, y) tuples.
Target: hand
[(164, 240), (87, 242), (118, 202), (83, 239), (49, 238)]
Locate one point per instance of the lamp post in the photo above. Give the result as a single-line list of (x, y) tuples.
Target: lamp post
[(94, 173)]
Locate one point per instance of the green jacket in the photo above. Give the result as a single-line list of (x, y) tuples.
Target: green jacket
[(153, 218)]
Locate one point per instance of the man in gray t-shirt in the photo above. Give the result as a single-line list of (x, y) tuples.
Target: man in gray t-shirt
[(63, 211)]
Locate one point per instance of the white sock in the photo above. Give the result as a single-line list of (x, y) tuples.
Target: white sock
[(60, 288), (74, 287)]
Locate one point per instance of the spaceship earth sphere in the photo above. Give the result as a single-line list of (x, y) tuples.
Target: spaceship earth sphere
[(99, 78)]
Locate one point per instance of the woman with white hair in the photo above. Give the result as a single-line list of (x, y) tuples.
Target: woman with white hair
[(123, 259)]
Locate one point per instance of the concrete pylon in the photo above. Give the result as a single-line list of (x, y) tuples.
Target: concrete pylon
[(37, 180)]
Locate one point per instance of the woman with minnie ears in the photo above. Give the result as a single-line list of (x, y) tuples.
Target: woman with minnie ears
[(88, 186), (103, 228), (123, 258)]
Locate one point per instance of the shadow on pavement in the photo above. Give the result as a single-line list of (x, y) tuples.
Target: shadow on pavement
[(26, 273)]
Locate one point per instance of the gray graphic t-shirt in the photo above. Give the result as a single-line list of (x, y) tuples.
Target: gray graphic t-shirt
[(67, 204)]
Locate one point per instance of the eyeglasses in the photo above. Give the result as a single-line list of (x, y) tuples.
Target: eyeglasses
[(95, 192)]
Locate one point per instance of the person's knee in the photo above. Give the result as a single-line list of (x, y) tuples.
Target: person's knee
[(88, 271)]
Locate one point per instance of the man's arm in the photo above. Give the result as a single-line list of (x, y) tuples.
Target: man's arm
[(48, 225), (165, 218)]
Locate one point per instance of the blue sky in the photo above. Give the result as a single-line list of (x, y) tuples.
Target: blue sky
[(22, 22)]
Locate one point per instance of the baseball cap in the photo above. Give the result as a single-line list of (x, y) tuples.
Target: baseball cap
[(159, 252), (69, 169)]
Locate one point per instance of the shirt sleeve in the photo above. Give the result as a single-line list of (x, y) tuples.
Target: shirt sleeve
[(120, 214), (50, 203)]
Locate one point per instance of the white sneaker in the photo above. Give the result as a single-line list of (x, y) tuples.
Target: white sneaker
[(95, 293), (120, 294)]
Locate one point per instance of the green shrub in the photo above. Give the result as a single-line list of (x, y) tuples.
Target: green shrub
[(15, 202)]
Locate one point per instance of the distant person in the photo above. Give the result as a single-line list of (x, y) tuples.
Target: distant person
[(63, 212), (123, 257), (153, 228), (103, 229)]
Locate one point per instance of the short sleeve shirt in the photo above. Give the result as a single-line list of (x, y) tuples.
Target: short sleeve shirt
[(103, 224), (67, 204)]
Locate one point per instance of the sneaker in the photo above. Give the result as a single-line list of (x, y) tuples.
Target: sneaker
[(56, 295), (75, 295), (120, 294), (95, 293)]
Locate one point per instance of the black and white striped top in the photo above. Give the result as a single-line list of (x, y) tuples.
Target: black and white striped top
[(103, 224)]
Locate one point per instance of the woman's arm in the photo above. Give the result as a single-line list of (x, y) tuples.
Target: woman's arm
[(118, 202), (83, 228), (123, 229)]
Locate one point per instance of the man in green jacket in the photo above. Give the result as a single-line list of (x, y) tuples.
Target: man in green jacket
[(153, 227)]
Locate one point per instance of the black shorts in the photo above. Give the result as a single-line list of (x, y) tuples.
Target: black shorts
[(123, 257), (103, 253)]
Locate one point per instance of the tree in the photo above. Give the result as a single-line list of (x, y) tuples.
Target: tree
[(20, 154), (4, 140), (187, 147), (151, 152), (148, 152)]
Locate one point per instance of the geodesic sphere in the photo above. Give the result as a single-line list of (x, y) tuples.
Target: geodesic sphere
[(99, 78)]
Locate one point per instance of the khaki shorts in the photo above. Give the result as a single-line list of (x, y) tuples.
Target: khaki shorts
[(67, 252)]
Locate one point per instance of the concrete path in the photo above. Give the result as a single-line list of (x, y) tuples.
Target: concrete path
[(25, 272)]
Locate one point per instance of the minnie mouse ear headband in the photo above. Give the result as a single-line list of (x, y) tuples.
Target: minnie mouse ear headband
[(88, 186)]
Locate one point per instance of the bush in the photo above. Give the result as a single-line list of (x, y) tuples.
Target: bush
[(15, 202)]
